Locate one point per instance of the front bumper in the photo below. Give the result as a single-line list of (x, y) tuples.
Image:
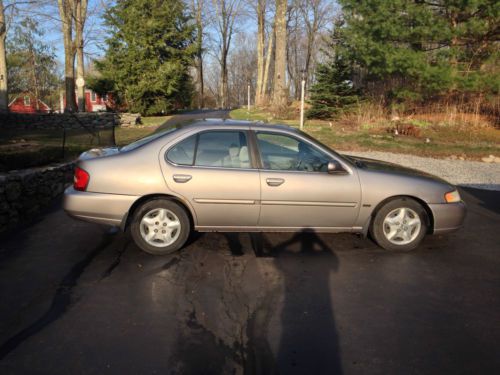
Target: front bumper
[(448, 217), (99, 208)]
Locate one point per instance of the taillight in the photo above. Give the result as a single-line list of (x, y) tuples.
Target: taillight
[(81, 179)]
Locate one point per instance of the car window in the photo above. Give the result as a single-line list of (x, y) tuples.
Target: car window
[(285, 153), (183, 152), (227, 149), (148, 139)]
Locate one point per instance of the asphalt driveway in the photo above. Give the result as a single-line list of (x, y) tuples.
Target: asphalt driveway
[(77, 298)]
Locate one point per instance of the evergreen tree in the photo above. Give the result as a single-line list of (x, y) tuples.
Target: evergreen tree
[(32, 65), (333, 93), (148, 55), (415, 49)]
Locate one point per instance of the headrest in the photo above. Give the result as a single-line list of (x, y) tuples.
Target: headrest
[(244, 154)]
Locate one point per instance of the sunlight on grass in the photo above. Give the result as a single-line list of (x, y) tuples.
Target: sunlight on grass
[(435, 140), (155, 120)]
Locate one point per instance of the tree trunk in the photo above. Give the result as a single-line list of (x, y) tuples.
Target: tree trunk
[(198, 8), (265, 79), (67, 15), (280, 93), (4, 95), (261, 40), (36, 91), (81, 15), (224, 97)]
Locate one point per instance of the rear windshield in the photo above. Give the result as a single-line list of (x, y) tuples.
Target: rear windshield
[(145, 140)]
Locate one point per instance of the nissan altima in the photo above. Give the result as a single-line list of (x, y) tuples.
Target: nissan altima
[(236, 176)]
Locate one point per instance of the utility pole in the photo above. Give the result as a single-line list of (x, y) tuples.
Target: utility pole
[(302, 100), (248, 96)]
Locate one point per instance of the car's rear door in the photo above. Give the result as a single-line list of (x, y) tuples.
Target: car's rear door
[(296, 189), (213, 171)]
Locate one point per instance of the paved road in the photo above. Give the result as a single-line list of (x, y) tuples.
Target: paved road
[(76, 298)]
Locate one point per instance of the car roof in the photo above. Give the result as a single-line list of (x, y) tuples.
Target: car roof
[(232, 124)]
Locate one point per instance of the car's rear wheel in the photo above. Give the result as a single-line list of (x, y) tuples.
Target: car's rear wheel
[(400, 225), (160, 226)]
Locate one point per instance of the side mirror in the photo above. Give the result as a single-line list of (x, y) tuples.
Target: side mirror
[(334, 167)]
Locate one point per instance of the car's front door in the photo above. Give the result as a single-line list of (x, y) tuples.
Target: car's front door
[(213, 171), (296, 189)]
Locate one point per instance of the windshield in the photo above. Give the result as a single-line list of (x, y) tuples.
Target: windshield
[(149, 138)]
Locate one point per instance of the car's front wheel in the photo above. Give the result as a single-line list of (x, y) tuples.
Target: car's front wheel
[(160, 226), (400, 225)]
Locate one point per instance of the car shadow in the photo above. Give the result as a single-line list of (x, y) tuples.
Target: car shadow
[(309, 340), (481, 196)]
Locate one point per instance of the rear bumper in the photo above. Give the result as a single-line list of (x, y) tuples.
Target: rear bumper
[(448, 217), (99, 208)]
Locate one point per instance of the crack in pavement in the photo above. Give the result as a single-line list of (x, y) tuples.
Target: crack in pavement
[(60, 302), (107, 273)]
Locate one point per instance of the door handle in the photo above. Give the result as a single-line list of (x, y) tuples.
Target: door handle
[(182, 178), (274, 181)]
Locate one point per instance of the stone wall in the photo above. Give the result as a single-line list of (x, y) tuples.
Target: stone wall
[(69, 121), (24, 193)]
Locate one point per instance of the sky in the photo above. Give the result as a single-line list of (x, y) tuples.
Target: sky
[(47, 14)]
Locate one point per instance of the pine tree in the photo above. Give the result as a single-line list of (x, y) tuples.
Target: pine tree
[(333, 93), (413, 49), (148, 55)]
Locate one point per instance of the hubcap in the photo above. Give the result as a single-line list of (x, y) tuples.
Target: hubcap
[(402, 226), (160, 227)]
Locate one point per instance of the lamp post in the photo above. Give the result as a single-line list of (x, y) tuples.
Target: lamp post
[(303, 86), (248, 96)]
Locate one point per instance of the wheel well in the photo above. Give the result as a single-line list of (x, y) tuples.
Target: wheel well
[(130, 214), (430, 217)]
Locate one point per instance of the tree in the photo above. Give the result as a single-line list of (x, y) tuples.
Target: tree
[(420, 50), (80, 18), (333, 93), (197, 10), (66, 12), (4, 95), (32, 65), (263, 58), (314, 13), (149, 52), (226, 12), (280, 91)]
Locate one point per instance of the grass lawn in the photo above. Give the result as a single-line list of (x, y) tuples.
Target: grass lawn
[(469, 142), (124, 136)]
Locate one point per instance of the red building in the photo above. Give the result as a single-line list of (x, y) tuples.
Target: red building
[(93, 101), (26, 103)]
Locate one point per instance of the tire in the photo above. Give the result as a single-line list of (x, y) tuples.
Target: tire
[(400, 225), (160, 226)]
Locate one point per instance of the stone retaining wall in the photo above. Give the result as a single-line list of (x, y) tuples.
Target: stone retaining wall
[(67, 120), (23, 194)]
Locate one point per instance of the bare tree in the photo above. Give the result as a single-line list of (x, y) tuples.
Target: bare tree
[(73, 14), (263, 57), (197, 9), (315, 13), (4, 96), (261, 41), (226, 12), (66, 12), (241, 66), (80, 17), (280, 92)]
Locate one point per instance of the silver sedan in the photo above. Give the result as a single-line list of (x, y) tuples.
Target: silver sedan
[(235, 176)]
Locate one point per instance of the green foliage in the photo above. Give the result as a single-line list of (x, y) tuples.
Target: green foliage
[(410, 50), (31, 62), (148, 55), (333, 93)]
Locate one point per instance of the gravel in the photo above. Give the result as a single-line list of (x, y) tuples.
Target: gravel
[(458, 172)]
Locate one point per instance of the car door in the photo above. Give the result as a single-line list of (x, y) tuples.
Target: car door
[(213, 171), (296, 189)]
